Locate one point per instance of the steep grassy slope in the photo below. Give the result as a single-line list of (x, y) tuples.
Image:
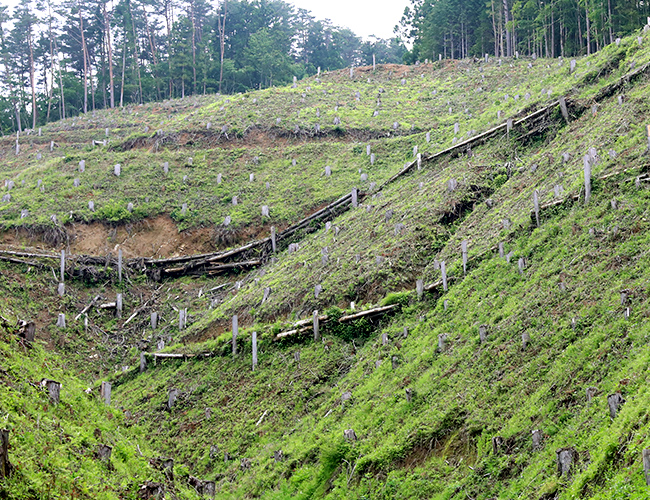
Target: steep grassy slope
[(465, 429)]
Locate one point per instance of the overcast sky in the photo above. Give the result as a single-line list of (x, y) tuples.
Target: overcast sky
[(364, 17)]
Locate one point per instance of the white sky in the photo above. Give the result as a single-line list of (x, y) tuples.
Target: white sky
[(364, 17)]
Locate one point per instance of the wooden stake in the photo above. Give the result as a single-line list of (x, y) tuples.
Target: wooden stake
[(62, 266), (463, 249), (254, 350), (316, 326), (235, 331), (119, 265), (105, 393), (419, 286), (273, 245), (536, 205), (143, 362), (443, 270), (587, 172)]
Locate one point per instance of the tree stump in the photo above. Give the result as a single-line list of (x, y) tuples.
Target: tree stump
[(143, 362), (349, 435), (646, 465), (278, 456), (537, 439), (565, 459), (5, 466), (53, 390), (497, 441), (482, 333), (614, 401), (409, 394), (591, 393), (442, 342), (104, 452), (394, 362), (172, 396), (525, 339)]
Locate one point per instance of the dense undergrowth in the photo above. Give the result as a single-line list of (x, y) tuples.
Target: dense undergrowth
[(437, 411)]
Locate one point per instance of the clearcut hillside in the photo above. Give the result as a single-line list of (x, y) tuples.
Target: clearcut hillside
[(482, 309)]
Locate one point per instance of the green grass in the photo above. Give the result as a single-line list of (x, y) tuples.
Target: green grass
[(439, 444)]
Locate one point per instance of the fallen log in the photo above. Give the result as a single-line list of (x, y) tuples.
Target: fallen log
[(88, 307), (292, 332), (369, 312), (19, 261)]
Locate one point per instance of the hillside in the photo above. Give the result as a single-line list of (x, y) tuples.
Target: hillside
[(466, 342)]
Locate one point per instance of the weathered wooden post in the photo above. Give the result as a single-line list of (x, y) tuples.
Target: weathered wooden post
[(105, 393), (61, 289), (355, 202), (419, 287), (62, 266), (537, 439), (565, 458), (267, 293), (118, 305), (60, 322), (154, 320), (409, 394), (143, 362), (525, 339), (117, 169), (273, 243), (316, 326), (53, 390), (119, 265), (384, 338), (463, 250), (587, 170), (536, 205), (614, 401), (502, 251), (5, 466), (443, 271), (646, 465), (235, 332), (172, 396), (254, 350)]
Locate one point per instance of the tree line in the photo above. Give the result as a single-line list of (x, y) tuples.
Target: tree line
[(60, 58), (548, 28)]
